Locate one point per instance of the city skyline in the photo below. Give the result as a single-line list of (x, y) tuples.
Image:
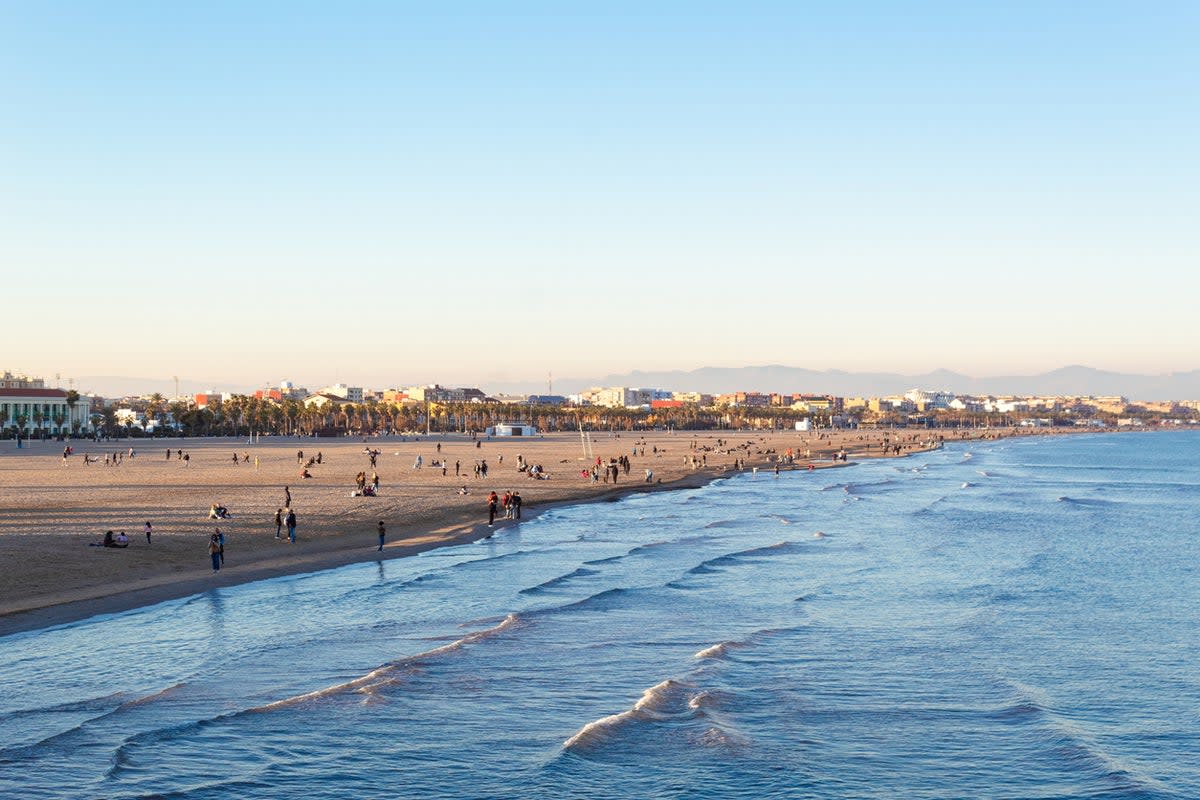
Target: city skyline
[(468, 196)]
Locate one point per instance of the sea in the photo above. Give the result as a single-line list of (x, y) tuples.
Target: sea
[(1012, 618)]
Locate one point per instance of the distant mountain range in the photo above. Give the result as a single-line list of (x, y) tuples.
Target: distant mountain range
[(1073, 380)]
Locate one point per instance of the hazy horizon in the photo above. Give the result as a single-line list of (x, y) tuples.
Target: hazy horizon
[(248, 192)]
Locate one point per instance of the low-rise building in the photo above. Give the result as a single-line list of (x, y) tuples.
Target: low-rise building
[(27, 406)]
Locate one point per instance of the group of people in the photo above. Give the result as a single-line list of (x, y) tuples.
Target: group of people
[(510, 504), (366, 488), (119, 539), (285, 517)]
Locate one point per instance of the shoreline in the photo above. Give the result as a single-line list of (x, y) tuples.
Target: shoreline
[(440, 527)]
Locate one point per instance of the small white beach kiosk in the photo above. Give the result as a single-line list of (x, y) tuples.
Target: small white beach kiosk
[(512, 429)]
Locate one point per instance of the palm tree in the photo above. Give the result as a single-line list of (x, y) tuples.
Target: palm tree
[(177, 409), (72, 401)]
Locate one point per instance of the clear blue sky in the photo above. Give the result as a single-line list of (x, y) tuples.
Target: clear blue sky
[(469, 192)]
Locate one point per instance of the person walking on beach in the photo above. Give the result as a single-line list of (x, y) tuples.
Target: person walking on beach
[(492, 502), (278, 522), (220, 545), (287, 497), (381, 535), (214, 552), (149, 530), (290, 520)]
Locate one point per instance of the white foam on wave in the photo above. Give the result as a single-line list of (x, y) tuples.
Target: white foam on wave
[(654, 705), (719, 650), (386, 674)]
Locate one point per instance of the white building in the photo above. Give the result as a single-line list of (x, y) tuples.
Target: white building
[(351, 394), (27, 406), (511, 429), (622, 396)]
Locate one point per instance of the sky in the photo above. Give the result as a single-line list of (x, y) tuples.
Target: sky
[(386, 194)]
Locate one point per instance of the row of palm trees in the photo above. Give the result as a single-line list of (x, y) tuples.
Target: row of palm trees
[(248, 415)]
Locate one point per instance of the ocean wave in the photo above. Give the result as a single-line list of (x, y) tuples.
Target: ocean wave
[(1072, 744), (386, 674), (601, 601), (713, 564), (579, 573), (719, 650), (663, 701), (672, 703), (64, 739), (105, 703), (874, 487), (1078, 501)]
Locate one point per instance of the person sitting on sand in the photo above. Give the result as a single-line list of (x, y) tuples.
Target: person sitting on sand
[(122, 540), (108, 539), (464, 490), (304, 473), (218, 512)]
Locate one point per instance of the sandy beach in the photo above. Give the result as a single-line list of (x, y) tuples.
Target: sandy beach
[(53, 509)]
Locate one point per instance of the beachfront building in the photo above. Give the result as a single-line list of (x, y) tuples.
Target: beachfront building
[(434, 393), (620, 397), (511, 429), (929, 401), (814, 403), (693, 398), (352, 394), (28, 408), (743, 399), (324, 401)]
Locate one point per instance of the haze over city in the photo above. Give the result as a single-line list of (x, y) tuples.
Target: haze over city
[(242, 193)]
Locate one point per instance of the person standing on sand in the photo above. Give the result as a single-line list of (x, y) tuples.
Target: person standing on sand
[(220, 545), (516, 505), (287, 497), (492, 502), (290, 520), (149, 530), (381, 535), (278, 522), (214, 552)]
